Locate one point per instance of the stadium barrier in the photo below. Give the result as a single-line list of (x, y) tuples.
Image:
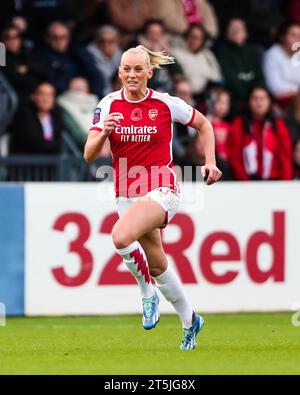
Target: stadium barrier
[(237, 250), (67, 166), (42, 168)]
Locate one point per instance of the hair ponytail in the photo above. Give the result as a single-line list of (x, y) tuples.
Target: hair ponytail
[(153, 59)]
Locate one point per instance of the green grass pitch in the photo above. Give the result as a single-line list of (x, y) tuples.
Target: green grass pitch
[(228, 344)]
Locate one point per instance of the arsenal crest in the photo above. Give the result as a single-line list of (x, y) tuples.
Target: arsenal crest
[(153, 114), (136, 115)]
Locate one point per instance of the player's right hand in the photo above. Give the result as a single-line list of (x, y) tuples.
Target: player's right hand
[(110, 123)]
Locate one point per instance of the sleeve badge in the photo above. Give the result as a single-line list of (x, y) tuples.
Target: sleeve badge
[(96, 118)]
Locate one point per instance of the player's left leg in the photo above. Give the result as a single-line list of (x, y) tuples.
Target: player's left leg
[(170, 286)]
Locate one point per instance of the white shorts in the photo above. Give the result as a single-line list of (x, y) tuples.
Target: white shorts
[(166, 197)]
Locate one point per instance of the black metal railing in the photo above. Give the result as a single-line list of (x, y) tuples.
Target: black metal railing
[(68, 166), (42, 168)]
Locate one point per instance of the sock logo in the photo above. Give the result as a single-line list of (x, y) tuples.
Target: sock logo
[(141, 264)]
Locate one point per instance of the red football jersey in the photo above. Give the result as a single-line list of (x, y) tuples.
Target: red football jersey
[(142, 145)]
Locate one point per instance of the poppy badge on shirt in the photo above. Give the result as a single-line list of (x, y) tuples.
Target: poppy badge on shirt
[(136, 115)]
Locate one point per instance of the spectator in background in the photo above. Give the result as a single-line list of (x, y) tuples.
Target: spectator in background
[(155, 38), (293, 118), (21, 24), (259, 144), (187, 145), (131, 15), (218, 108), (78, 104), (182, 134), (86, 17), (296, 160), (24, 70), (116, 83), (179, 15), (41, 13), (263, 17), (195, 158), (106, 54), (198, 62), (281, 73), (240, 62), (37, 127), (66, 62)]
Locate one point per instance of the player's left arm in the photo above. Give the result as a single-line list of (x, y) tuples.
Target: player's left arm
[(206, 132)]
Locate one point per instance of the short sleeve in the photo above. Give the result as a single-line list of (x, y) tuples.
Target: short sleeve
[(101, 112), (181, 111)]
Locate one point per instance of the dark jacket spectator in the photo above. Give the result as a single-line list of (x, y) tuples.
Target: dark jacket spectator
[(86, 17), (41, 13), (66, 62), (259, 144), (24, 70), (263, 17), (37, 127), (240, 62)]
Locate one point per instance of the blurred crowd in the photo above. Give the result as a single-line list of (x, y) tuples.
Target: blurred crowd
[(238, 62)]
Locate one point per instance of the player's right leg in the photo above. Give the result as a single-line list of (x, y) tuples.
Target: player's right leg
[(139, 218)]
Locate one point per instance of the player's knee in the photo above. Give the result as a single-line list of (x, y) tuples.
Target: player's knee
[(156, 271), (121, 238), (159, 266)]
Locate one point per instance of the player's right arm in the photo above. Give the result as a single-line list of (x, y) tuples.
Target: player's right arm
[(96, 138)]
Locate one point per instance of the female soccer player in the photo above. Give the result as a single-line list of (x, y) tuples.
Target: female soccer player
[(138, 123)]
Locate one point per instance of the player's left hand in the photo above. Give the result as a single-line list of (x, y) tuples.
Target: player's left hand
[(211, 173)]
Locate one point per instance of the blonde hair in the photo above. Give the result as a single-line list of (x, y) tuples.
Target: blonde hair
[(153, 59)]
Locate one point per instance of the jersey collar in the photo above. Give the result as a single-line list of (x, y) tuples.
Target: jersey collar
[(148, 95)]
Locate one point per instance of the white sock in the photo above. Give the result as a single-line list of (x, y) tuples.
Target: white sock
[(170, 286), (136, 261)]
